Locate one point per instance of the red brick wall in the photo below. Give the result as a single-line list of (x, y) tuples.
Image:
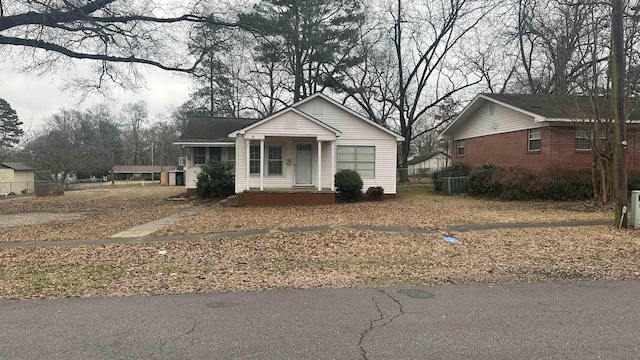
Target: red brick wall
[(280, 199), (509, 150)]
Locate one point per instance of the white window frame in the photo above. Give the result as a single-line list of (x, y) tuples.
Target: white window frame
[(253, 160), (460, 148), (341, 163), (203, 155), (534, 135), (269, 160), (582, 134)]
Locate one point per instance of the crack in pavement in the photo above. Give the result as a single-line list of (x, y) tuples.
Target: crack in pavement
[(379, 322), (191, 331)]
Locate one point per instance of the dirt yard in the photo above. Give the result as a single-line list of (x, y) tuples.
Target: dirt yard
[(336, 258), (85, 214)]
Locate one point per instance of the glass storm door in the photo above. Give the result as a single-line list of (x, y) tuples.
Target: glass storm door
[(304, 166)]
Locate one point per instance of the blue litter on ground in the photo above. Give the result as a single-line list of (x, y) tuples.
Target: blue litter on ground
[(450, 239)]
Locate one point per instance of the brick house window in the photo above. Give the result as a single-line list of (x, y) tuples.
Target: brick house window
[(582, 139), (534, 139), (460, 148), (199, 156)]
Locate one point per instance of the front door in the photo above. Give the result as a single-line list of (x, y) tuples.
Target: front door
[(304, 166)]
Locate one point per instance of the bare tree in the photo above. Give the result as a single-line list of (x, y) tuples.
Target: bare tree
[(133, 118), (111, 32), (428, 71)]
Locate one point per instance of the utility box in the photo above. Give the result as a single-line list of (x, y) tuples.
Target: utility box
[(635, 209)]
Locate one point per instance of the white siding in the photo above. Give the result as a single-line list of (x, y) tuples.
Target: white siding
[(355, 131), (290, 124), (503, 119), (435, 163)]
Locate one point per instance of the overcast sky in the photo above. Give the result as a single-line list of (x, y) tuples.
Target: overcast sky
[(37, 97)]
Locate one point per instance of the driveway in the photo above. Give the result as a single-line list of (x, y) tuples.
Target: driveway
[(583, 320)]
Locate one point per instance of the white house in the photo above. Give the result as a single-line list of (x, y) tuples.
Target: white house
[(296, 151), (425, 163), (16, 178)]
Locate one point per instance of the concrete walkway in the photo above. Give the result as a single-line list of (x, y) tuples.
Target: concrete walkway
[(137, 234), (151, 227)]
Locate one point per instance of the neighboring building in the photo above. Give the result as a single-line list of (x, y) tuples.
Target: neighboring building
[(534, 132), (426, 163), (16, 178), (295, 151), (140, 172)]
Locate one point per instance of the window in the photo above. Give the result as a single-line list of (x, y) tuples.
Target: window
[(254, 160), (359, 158), (582, 139), (460, 151), (215, 153), (231, 156), (199, 156), (274, 166), (534, 139)]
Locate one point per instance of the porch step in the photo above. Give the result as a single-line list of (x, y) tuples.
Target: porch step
[(236, 200)]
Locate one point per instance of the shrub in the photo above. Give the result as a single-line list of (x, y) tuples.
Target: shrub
[(374, 194), (215, 180), (348, 185), (483, 181), (454, 170)]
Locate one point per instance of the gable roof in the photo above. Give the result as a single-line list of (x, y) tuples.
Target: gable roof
[(359, 116), (17, 166), (542, 107), (212, 129), (427, 156), (281, 112)]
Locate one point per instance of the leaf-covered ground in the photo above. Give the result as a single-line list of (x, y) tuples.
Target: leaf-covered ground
[(85, 214), (279, 260), (415, 207), (339, 258)]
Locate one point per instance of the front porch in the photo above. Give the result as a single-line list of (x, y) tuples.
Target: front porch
[(284, 197)]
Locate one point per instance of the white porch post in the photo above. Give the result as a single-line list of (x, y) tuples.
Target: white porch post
[(248, 161), (333, 166), (261, 164), (319, 165)]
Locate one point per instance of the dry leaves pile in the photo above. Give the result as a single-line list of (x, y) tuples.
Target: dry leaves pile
[(339, 258), (416, 207), (86, 214)]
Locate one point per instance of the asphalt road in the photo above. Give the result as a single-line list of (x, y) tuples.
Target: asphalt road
[(586, 320)]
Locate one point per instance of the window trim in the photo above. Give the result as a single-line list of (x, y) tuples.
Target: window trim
[(268, 160), (203, 155), (459, 148), (251, 160), (356, 162), (530, 133), (585, 136)]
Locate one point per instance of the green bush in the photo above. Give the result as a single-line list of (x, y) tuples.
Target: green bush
[(374, 194), (215, 180), (483, 181), (348, 185), (454, 170)]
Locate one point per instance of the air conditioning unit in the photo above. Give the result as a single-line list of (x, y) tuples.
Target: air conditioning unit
[(182, 161)]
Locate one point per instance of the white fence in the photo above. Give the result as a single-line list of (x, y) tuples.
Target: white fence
[(17, 187)]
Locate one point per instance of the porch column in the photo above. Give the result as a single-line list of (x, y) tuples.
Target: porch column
[(247, 156), (261, 164), (319, 165), (333, 166)]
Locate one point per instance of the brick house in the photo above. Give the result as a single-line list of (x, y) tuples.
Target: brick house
[(533, 132)]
